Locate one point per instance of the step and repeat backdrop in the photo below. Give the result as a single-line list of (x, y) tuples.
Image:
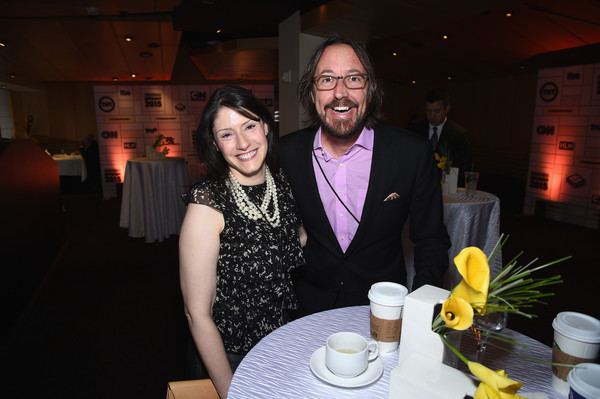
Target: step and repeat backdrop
[(564, 168), (131, 119)]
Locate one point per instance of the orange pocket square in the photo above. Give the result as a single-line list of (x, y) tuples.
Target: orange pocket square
[(392, 196)]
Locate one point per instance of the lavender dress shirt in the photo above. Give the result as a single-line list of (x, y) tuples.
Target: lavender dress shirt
[(349, 176)]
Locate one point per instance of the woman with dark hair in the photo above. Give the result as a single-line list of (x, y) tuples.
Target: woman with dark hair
[(241, 235)]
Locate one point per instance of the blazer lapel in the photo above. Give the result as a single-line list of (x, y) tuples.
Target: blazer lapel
[(378, 181)]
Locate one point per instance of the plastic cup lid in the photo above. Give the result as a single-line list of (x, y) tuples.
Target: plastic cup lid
[(578, 326), (388, 294), (585, 379)]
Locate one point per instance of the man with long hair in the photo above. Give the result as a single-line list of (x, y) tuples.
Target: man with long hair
[(356, 183)]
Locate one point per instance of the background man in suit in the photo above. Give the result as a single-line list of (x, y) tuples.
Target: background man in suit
[(356, 182), (446, 137)]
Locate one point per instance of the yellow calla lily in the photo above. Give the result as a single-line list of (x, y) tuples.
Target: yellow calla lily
[(441, 161), (473, 266), (494, 384), (457, 313)]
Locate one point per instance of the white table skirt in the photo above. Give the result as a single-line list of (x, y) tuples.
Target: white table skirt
[(470, 221), (278, 366), (151, 205), (71, 165)]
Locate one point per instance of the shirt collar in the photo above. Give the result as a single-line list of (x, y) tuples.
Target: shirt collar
[(439, 127), (365, 141)]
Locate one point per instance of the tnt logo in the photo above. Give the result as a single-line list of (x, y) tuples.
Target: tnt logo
[(106, 104), (566, 145), (545, 130), (548, 91), (109, 134)]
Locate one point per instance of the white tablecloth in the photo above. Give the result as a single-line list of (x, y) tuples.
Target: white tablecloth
[(278, 366), (470, 221), (151, 205), (71, 165)]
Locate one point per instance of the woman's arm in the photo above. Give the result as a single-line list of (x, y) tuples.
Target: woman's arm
[(198, 254)]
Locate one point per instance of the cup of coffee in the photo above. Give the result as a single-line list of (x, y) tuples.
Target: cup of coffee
[(584, 381), (576, 340), (387, 302), (348, 354)]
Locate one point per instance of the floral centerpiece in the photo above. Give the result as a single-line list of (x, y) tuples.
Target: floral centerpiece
[(162, 141), (514, 290)]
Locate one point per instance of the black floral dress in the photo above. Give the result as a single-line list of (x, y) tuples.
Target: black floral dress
[(254, 292)]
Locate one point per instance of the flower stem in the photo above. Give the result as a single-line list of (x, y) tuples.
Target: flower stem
[(454, 350)]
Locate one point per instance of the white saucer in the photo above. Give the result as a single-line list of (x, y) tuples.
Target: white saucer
[(319, 369)]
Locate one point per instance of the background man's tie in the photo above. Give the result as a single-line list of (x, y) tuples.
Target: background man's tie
[(434, 138)]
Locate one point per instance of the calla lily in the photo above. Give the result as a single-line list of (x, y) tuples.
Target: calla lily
[(473, 266), (441, 161), (494, 384), (457, 313)]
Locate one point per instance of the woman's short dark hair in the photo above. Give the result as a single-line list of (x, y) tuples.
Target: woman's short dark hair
[(374, 92), (242, 101)]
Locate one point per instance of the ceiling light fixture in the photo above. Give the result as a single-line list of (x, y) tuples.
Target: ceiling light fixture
[(449, 77), (219, 30), (445, 37), (12, 76), (133, 75), (508, 14), (145, 54), (3, 87), (128, 38), (394, 53), (2, 44), (413, 82), (115, 78)]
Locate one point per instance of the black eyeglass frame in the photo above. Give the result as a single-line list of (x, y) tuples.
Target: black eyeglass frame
[(343, 79)]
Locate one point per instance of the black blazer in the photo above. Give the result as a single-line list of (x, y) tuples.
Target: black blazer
[(402, 163), (454, 142)]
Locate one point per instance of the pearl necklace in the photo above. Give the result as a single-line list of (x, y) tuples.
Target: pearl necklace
[(249, 208)]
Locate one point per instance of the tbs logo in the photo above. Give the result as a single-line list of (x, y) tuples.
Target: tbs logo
[(109, 134)]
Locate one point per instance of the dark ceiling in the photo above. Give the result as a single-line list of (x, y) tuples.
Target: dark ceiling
[(66, 40)]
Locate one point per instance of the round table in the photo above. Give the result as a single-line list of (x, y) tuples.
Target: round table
[(278, 366), (471, 220), (70, 165), (151, 206)]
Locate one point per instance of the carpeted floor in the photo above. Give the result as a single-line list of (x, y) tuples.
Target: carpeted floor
[(107, 321)]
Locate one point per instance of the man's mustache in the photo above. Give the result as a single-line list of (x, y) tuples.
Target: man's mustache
[(342, 102)]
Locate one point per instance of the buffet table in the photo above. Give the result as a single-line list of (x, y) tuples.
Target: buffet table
[(151, 206), (471, 220), (279, 365), (70, 165)]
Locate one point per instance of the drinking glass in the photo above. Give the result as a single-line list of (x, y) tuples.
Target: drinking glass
[(488, 324)]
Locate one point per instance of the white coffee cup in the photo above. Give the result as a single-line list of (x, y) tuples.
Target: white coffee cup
[(387, 302), (576, 340), (348, 354), (584, 381)]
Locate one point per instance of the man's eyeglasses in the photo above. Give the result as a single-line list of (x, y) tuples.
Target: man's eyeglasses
[(352, 82)]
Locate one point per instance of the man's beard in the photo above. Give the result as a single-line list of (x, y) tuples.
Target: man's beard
[(343, 128)]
